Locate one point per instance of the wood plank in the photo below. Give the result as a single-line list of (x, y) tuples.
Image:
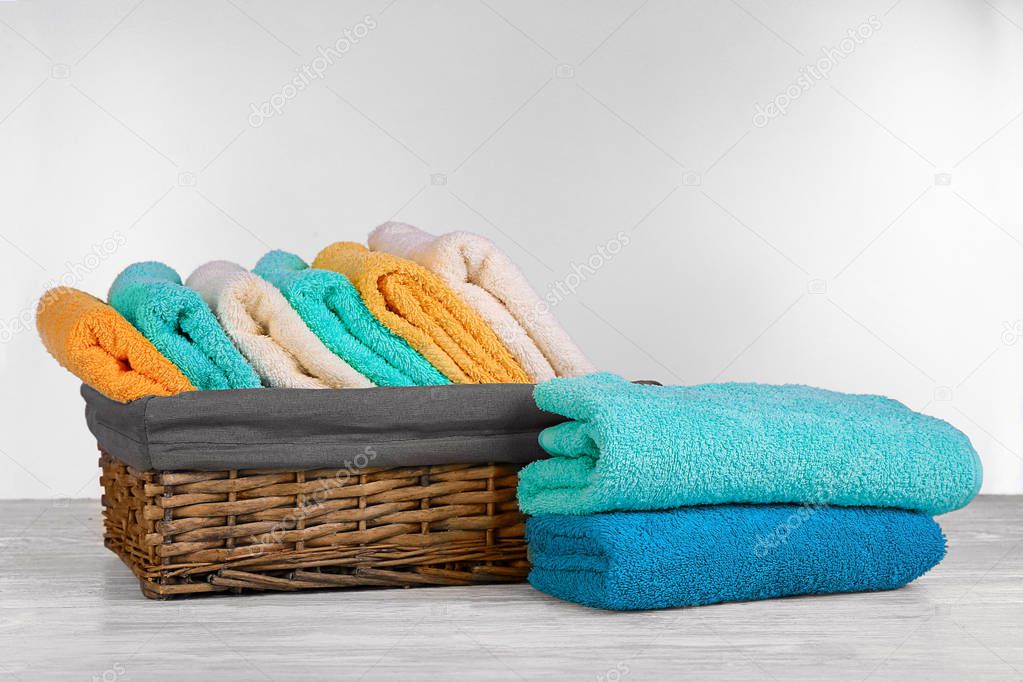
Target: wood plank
[(70, 610)]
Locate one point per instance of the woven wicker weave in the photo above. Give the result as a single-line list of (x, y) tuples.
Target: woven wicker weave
[(227, 531)]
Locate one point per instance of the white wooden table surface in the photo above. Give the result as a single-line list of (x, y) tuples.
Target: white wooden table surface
[(70, 610)]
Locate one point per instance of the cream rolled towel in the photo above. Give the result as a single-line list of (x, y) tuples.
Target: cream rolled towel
[(268, 331), (487, 280)]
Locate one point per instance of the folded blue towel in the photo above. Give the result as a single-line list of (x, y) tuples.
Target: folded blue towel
[(705, 555), (333, 309), (181, 326), (635, 447)]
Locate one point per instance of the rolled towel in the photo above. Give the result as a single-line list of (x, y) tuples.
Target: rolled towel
[(414, 304), (95, 343), (485, 278), (333, 310), (635, 447), (268, 331), (706, 555), (150, 296)]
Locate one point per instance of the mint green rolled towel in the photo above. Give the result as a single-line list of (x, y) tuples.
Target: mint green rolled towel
[(635, 447), (334, 311), (181, 326)]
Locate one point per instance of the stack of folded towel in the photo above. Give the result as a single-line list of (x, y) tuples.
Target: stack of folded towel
[(658, 496), (416, 310)]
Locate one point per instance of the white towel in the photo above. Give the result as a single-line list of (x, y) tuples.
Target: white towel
[(489, 282), (268, 331)]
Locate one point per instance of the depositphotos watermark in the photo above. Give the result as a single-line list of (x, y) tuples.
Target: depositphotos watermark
[(615, 674), (1012, 331), (602, 255), (566, 286), (75, 272), (570, 283), (820, 70), (111, 674), (780, 535), (316, 500), (313, 71)]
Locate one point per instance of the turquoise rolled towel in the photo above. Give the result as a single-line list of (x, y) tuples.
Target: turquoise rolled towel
[(181, 326), (705, 555), (635, 447), (334, 311)]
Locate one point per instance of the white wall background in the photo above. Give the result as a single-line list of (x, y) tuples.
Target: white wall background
[(870, 239)]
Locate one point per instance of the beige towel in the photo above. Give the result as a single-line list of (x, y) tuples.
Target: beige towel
[(268, 331)]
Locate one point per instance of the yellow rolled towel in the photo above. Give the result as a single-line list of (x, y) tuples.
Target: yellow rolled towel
[(416, 305), (96, 344)]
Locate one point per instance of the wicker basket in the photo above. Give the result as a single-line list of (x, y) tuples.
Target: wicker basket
[(191, 532)]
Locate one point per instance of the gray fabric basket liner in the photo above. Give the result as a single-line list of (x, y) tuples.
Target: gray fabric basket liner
[(270, 428)]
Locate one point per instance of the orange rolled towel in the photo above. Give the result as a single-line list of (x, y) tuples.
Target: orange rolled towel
[(416, 305), (96, 344)]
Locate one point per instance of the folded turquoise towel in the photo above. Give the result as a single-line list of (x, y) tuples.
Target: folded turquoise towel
[(641, 447), (181, 326), (705, 555), (333, 309)]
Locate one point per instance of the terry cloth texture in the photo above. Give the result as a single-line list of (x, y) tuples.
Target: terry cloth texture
[(268, 331), (281, 428), (660, 447), (92, 341), (414, 304), (150, 296), (485, 278), (333, 310), (705, 555)]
